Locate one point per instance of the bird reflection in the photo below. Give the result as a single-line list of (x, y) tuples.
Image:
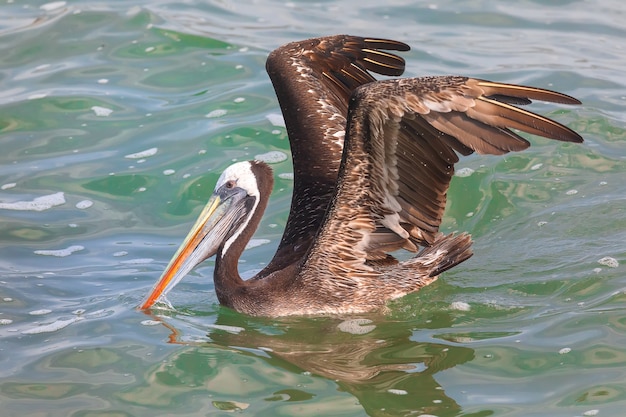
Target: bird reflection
[(386, 372)]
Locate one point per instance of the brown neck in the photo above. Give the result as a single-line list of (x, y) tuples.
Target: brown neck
[(228, 283)]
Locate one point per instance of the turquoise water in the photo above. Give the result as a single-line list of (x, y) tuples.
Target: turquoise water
[(116, 119)]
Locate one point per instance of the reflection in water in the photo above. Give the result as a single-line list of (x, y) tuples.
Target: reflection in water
[(384, 370)]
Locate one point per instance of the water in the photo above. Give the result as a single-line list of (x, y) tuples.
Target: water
[(115, 121)]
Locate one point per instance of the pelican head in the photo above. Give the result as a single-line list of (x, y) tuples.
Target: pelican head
[(226, 215)]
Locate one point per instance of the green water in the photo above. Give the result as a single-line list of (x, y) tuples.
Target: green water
[(115, 121)]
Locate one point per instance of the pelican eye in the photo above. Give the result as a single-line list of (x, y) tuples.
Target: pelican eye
[(231, 184)]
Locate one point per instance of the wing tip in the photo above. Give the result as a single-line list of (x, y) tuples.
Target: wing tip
[(493, 88), (572, 136), (388, 44), (458, 249)]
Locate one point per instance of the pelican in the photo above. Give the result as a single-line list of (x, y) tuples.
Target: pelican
[(372, 163)]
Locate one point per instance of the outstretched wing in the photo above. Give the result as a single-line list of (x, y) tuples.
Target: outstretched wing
[(314, 80), (399, 159)]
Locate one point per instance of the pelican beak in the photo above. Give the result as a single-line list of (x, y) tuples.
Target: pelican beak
[(202, 242)]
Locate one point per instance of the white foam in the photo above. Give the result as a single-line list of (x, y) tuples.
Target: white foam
[(460, 305), (37, 204), (150, 322), (52, 327), (142, 154), (169, 172), (272, 157), (216, 113), (99, 313), (464, 172), (276, 119), (41, 312), (564, 350), (61, 253), (356, 326), (609, 261), (286, 175), (536, 167), (5, 322), (138, 261), (7, 186), (101, 111), (37, 96), (229, 329), (48, 7), (133, 11), (84, 204), (397, 392)]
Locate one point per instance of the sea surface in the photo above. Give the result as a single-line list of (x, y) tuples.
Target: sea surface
[(116, 119)]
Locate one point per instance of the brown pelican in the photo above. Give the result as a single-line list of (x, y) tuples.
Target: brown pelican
[(372, 164)]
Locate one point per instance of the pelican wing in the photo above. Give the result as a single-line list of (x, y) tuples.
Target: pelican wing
[(314, 80), (401, 146)]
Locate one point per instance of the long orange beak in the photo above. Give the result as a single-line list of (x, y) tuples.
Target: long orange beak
[(202, 242)]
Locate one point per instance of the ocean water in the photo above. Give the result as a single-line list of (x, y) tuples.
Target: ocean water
[(116, 118)]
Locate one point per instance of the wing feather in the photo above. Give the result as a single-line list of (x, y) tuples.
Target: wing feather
[(523, 92), (314, 80), (401, 145)]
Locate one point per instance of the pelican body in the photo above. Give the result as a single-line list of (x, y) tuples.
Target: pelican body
[(372, 165)]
